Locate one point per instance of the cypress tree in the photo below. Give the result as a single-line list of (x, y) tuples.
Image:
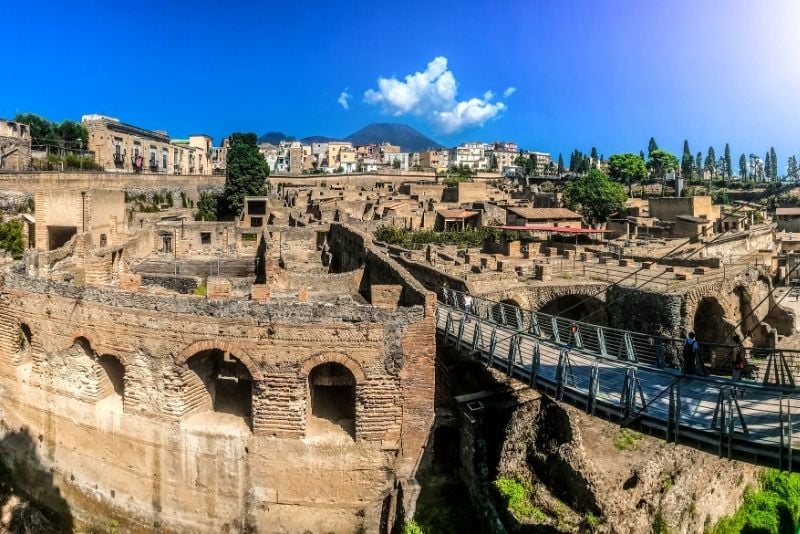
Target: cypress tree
[(773, 158), (651, 146), (768, 166), (711, 160), (687, 161), (743, 167), (560, 165), (698, 163), (728, 163), (791, 168)]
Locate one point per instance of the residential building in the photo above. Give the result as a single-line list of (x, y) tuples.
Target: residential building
[(219, 157), (505, 152), (472, 155), (15, 146), (439, 160), (401, 158), (553, 217), (121, 147), (270, 153)]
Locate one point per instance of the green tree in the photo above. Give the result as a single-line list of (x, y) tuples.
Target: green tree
[(662, 162), (627, 168), (206, 207), (395, 163), (792, 169), (641, 155), (743, 167), (687, 162), (595, 196), (493, 163), (246, 172), (594, 158), (773, 158), (560, 165), (74, 134), (768, 166), (12, 239), (728, 163), (711, 161), (698, 163), (652, 146)]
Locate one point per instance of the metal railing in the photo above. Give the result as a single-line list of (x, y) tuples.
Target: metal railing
[(736, 419), (779, 366)]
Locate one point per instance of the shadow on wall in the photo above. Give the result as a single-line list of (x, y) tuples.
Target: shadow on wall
[(29, 501)]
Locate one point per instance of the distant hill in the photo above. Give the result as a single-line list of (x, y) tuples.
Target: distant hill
[(406, 137), (409, 139), (275, 137), (317, 139)]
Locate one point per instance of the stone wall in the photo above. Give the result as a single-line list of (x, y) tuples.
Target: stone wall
[(149, 453)]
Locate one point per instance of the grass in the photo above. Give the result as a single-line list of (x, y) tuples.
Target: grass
[(412, 527), (201, 290), (627, 440), (567, 276), (772, 508), (517, 497), (660, 525), (666, 484)]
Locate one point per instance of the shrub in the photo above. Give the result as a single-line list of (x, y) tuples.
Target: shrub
[(412, 527), (517, 497), (12, 238), (627, 440), (206, 207), (774, 508), (201, 290)]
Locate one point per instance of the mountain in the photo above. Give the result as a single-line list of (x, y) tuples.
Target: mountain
[(274, 138), (317, 139), (409, 139)]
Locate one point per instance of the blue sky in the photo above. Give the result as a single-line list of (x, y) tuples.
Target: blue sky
[(608, 74)]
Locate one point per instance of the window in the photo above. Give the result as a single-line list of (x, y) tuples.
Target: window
[(103, 240), (164, 159), (256, 222), (136, 149), (166, 243), (205, 238)]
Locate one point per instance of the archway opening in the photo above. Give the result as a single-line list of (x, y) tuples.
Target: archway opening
[(24, 338), (577, 308), (446, 448), (332, 394), (114, 373), (711, 329), (227, 382)]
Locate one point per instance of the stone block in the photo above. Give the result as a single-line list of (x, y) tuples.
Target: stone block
[(130, 281), (624, 262), (700, 270), (647, 265), (386, 295), (302, 294), (218, 288), (680, 275), (260, 292)]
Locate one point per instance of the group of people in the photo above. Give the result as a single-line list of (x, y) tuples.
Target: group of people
[(693, 361)]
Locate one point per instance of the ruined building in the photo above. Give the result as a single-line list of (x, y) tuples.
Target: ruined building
[(211, 377)]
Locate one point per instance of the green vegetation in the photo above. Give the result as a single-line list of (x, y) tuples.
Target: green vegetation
[(12, 239), (201, 290), (412, 527), (590, 522), (627, 169), (595, 196), (627, 440), (67, 162), (774, 508), (48, 134), (517, 496), (417, 238), (660, 525), (246, 172), (206, 207)]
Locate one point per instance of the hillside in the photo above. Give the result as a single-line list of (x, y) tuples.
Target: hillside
[(409, 139), (274, 138)]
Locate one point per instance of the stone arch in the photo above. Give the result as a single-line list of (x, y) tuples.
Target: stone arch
[(81, 372), (224, 346), (576, 307), (336, 357), (23, 344), (215, 380), (332, 407)]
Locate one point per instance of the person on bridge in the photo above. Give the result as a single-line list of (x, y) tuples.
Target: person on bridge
[(691, 350), (739, 359), (467, 305)]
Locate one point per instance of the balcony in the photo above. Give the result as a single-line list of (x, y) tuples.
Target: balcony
[(137, 162), (177, 169), (119, 159), (153, 165)]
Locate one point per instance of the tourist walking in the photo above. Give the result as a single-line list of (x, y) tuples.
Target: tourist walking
[(739, 359), (691, 351), (467, 305)]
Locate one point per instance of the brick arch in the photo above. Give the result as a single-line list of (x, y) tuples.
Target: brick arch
[(335, 357), (98, 349), (215, 344)]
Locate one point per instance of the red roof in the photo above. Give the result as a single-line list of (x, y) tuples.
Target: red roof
[(554, 229)]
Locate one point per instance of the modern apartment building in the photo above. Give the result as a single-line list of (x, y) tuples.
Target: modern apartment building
[(471, 155)]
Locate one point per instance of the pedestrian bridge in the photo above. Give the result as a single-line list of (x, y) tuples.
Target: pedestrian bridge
[(634, 378)]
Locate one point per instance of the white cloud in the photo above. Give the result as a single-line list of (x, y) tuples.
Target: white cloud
[(343, 99), (432, 94), (509, 91)]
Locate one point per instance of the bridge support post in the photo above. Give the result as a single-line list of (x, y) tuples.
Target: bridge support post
[(535, 363), (563, 373), (513, 350), (674, 422), (448, 325), (477, 335), (601, 342), (459, 341), (492, 348), (554, 326), (533, 327), (594, 386), (630, 388)]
